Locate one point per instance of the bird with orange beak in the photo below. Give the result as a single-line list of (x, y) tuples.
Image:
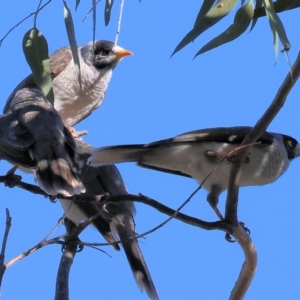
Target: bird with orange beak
[(72, 101)]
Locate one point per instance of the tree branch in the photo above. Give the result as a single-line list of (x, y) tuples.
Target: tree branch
[(70, 249), (5, 237), (279, 6), (249, 267)]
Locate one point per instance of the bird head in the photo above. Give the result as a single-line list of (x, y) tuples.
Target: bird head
[(103, 54)]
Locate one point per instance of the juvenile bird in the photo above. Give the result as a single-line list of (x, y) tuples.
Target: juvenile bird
[(115, 219), (33, 137)]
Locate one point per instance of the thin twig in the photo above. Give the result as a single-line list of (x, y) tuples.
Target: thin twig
[(4, 242), (119, 22), (87, 14), (36, 13), (33, 13)]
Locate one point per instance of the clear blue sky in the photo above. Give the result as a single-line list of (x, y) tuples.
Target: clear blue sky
[(152, 97)]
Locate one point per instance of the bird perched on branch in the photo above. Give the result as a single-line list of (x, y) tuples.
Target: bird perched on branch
[(207, 156), (112, 219), (33, 137), (96, 64)]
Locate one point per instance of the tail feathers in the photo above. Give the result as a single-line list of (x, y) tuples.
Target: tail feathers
[(134, 255), (116, 154), (57, 177)]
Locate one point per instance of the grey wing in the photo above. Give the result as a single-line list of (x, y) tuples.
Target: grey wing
[(15, 140), (118, 215), (233, 135), (58, 62)]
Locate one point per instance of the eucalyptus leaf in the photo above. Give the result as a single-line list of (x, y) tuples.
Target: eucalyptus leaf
[(107, 11), (35, 48), (242, 20), (77, 3), (72, 39), (258, 4), (206, 6), (203, 22), (277, 26)]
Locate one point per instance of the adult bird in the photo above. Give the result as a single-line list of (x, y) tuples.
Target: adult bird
[(75, 103), (112, 219), (207, 156), (33, 137)]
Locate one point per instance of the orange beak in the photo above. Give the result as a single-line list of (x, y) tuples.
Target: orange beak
[(120, 52)]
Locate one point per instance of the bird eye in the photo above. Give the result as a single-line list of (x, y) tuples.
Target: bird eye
[(103, 52)]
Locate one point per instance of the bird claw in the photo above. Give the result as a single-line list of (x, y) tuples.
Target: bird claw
[(52, 199), (245, 228), (229, 238)]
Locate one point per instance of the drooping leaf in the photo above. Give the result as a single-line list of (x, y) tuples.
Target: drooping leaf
[(72, 39), (258, 4), (276, 26), (203, 22), (77, 3), (242, 20), (206, 6), (35, 49), (107, 11)]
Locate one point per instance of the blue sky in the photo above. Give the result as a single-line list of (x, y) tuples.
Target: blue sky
[(152, 97)]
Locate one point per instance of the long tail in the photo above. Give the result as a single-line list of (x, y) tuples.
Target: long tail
[(116, 154), (117, 215), (123, 225)]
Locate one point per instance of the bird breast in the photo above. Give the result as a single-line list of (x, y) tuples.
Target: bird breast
[(263, 165), (73, 102)]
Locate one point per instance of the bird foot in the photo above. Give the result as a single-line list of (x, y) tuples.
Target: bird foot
[(11, 179), (75, 133), (229, 238)]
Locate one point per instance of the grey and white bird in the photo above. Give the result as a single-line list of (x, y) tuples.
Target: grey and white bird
[(202, 155), (33, 137), (96, 63), (115, 219)]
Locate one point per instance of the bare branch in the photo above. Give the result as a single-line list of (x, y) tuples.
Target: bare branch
[(249, 266), (70, 249), (119, 22), (5, 237), (279, 6), (258, 129)]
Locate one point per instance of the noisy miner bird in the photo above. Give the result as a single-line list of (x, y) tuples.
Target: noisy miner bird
[(97, 62), (33, 137), (112, 219), (202, 154)]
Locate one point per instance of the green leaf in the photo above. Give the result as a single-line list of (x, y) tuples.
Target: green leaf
[(276, 27), (107, 11), (242, 20), (203, 22), (72, 39), (35, 49), (206, 6), (258, 4), (77, 3)]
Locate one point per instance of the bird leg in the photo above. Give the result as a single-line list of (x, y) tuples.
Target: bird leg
[(213, 200), (12, 179), (75, 133)]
